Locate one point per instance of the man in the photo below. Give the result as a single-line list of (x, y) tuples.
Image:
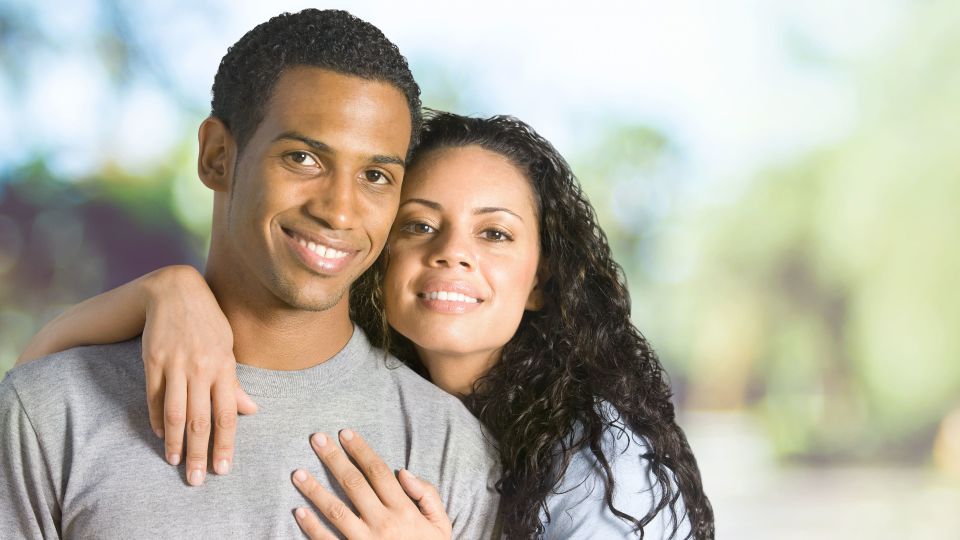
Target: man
[(313, 116)]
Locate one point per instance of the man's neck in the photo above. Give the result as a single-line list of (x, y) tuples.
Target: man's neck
[(272, 335)]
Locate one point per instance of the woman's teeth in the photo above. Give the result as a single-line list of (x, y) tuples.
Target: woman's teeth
[(449, 297), (321, 250)]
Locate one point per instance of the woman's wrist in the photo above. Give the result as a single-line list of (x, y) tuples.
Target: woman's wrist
[(160, 282)]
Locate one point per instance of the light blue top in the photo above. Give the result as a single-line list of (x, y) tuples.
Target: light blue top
[(577, 509)]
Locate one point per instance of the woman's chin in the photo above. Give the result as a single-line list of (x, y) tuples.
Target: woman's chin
[(453, 350), (449, 351)]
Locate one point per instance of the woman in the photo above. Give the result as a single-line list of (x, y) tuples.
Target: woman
[(499, 286)]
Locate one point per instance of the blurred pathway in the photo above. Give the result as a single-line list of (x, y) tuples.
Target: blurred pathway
[(755, 498)]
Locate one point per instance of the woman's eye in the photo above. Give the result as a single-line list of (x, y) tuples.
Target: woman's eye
[(302, 158), (496, 235), (376, 177), (418, 227)]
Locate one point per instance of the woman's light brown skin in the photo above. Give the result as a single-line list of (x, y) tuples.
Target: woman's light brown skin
[(467, 222)]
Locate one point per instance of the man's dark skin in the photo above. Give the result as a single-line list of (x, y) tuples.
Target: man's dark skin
[(325, 164)]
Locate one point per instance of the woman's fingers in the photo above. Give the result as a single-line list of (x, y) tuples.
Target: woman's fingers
[(352, 481), (384, 505), (311, 525), (155, 397), (245, 404), (378, 474), (427, 499), (225, 422), (174, 415), (198, 431), (330, 506)]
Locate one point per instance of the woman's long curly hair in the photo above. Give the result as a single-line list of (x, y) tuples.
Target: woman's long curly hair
[(545, 400)]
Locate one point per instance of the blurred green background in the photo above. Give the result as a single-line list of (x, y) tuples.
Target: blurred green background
[(780, 180)]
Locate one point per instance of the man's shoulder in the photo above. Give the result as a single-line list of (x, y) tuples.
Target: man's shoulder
[(443, 416), (76, 361), (71, 374), (420, 395)]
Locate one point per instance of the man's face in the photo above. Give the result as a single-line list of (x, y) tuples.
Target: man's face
[(316, 188)]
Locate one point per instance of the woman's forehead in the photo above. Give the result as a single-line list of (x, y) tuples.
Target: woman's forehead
[(468, 174)]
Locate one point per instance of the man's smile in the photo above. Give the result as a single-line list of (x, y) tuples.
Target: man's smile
[(318, 252)]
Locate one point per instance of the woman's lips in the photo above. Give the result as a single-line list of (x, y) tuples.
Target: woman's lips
[(446, 296)]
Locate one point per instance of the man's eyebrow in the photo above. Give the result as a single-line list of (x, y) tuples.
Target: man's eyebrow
[(381, 159), (319, 146), (493, 209), (295, 136), (429, 204)]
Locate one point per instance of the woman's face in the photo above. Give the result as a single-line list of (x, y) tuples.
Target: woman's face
[(464, 253)]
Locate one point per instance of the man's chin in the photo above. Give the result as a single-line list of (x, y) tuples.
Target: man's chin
[(302, 299)]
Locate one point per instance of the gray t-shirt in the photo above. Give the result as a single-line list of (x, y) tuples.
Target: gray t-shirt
[(78, 457)]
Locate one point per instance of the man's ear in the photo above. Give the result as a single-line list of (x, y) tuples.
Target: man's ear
[(218, 153), (536, 300)]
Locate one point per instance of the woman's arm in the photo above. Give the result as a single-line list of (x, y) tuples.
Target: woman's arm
[(116, 315), (187, 355)]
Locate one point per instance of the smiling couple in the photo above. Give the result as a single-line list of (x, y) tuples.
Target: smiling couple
[(516, 398)]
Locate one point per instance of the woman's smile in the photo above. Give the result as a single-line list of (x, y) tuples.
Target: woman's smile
[(448, 296)]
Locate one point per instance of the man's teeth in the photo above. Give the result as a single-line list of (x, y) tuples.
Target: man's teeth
[(321, 250), (450, 297)]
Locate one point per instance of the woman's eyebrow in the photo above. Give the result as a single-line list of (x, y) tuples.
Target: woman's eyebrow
[(493, 209), (428, 203), (476, 211)]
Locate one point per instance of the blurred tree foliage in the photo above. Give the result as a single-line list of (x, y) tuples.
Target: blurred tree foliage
[(825, 295)]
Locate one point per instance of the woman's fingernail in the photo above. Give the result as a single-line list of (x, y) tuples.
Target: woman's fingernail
[(196, 477), (347, 435), (158, 432), (300, 475), (222, 466), (319, 439), (301, 513), (174, 459)]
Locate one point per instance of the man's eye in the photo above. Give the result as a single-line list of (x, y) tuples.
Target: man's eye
[(376, 177), (302, 158)]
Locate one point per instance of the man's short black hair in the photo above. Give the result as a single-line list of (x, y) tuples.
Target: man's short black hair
[(330, 39)]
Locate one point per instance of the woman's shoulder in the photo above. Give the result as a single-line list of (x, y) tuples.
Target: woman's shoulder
[(578, 507)]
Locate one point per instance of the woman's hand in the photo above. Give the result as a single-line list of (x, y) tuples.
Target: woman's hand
[(388, 507), (189, 363)]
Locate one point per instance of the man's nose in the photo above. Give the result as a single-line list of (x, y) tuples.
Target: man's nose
[(334, 201)]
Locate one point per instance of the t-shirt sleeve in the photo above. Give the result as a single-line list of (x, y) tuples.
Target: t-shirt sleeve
[(578, 509), (470, 473), (474, 508), (30, 508)]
